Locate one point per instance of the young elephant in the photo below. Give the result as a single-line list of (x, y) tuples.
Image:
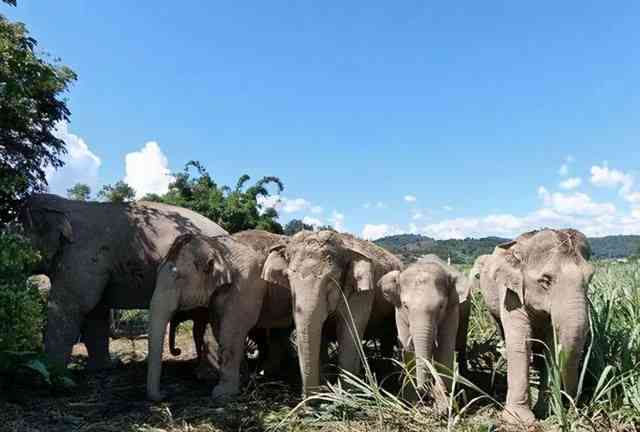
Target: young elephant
[(534, 286), (428, 306), (221, 273)]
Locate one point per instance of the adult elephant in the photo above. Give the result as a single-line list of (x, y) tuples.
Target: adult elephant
[(224, 274), (271, 337), (100, 256), (534, 286), (432, 314), (331, 275)]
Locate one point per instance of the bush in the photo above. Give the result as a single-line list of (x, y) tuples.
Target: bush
[(21, 307)]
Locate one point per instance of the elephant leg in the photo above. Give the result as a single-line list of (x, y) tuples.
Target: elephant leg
[(350, 332), (517, 330), (444, 353), (237, 313), (95, 335), (539, 354), (199, 327), (163, 305), (461, 337)]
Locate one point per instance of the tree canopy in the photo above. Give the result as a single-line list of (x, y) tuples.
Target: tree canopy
[(31, 105), (235, 209), (79, 192), (117, 193)]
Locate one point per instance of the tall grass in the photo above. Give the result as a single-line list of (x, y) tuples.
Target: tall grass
[(609, 387)]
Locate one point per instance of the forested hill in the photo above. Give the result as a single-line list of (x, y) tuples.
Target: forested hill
[(411, 246)]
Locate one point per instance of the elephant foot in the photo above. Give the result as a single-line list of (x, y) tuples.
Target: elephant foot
[(224, 392), (96, 365), (156, 395), (518, 415)]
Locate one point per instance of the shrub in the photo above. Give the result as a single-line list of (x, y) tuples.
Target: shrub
[(20, 302)]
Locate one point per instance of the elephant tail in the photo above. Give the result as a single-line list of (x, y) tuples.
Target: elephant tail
[(173, 328)]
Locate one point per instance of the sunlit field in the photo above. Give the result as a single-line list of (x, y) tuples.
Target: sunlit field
[(115, 401)]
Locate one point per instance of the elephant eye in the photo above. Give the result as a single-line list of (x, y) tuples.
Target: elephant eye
[(477, 276), (545, 280)]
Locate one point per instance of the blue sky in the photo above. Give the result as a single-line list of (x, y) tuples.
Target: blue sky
[(449, 120)]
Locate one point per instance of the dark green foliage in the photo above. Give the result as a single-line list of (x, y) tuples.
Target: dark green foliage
[(296, 225), (117, 193), (615, 246), (20, 302), (412, 246), (79, 192), (235, 209), (31, 104)]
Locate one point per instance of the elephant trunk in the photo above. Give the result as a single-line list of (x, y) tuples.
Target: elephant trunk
[(571, 324), (422, 331), (173, 328), (308, 339)]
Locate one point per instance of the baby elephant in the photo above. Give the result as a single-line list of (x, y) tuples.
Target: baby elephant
[(221, 273), (427, 314)]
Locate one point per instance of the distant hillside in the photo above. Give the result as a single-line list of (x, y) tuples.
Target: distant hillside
[(411, 246)]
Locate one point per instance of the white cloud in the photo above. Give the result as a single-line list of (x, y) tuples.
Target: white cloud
[(410, 198), (288, 205), (636, 213), (606, 177), (337, 221), (373, 232), (577, 203), (417, 215), (633, 197), (81, 164), (571, 183), (312, 221), (447, 208), (147, 170), (564, 169)]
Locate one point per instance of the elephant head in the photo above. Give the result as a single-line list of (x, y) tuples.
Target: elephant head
[(319, 267), (49, 229), (426, 299), (547, 274)]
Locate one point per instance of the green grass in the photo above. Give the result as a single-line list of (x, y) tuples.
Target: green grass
[(609, 388)]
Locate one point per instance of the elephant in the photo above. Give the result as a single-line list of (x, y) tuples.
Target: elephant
[(272, 342), (331, 276), (100, 256), (536, 286), (223, 274), (430, 300)]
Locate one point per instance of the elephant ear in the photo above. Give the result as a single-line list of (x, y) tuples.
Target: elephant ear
[(390, 286), (510, 270), (360, 273), (219, 269), (462, 286), (51, 221), (274, 269)]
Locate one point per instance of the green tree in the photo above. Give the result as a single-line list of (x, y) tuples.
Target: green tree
[(31, 105), (296, 225), (20, 301), (117, 193), (79, 192), (235, 209)]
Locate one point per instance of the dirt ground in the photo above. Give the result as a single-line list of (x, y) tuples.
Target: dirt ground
[(115, 400)]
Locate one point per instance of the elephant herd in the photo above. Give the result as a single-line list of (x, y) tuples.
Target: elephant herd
[(327, 285)]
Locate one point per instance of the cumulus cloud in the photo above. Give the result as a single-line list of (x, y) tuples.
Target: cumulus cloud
[(147, 170), (410, 198), (81, 164), (314, 222), (571, 183), (577, 203), (337, 221), (607, 177), (288, 205), (373, 231)]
